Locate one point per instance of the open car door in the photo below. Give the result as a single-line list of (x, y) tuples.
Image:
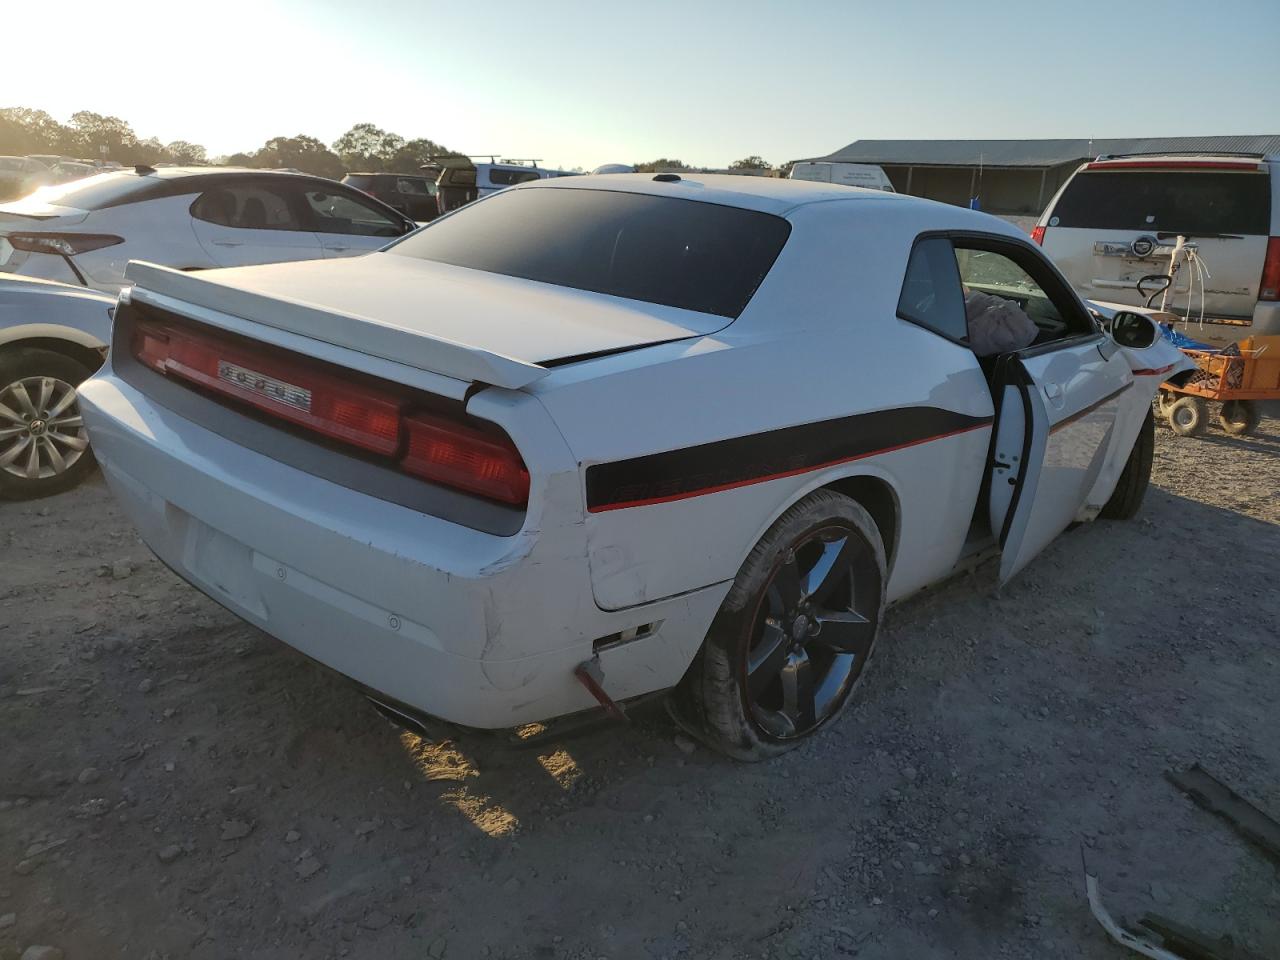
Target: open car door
[(1056, 412)]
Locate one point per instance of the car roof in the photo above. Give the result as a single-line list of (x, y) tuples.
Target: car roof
[(766, 194), (177, 173), (780, 196)]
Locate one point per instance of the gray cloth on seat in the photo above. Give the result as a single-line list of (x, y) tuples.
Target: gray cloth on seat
[(997, 325)]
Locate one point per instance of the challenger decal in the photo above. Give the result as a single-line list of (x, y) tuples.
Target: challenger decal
[(772, 455)]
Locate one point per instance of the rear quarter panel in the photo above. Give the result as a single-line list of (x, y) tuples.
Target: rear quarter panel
[(158, 231), (819, 341)]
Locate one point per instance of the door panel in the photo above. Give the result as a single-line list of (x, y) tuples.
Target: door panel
[(1058, 410), (238, 247)]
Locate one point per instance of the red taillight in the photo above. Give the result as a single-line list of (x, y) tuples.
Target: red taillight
[(324, 400), (469, 459), (62, 244), (289, 389), (1269, 288), (1037, 235)]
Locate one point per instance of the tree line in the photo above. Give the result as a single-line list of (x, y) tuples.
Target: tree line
[(364, 148)]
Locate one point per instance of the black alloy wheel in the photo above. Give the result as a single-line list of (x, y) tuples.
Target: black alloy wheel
[(812, 632)]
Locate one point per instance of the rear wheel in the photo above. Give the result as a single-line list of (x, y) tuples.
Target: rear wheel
[(1187, 417), (794, 635), (43, 445), (1132, 485), (1239, 417)]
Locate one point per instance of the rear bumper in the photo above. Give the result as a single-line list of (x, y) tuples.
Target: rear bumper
[(476, 629)]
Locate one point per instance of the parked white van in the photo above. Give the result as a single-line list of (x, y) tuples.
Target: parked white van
[(1120, 219), (866, 175)]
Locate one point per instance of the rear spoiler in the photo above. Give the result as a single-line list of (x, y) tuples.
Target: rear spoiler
[(437, 355)]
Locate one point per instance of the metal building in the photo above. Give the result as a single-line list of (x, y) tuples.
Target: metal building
[(1015, 176)]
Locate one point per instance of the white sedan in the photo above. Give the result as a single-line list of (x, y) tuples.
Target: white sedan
[(591, 438), (192, 218), (52, 336)]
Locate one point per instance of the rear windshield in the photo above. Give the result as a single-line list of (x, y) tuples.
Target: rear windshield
[(458, 177), (678, 253), (94, 193), (1188, 202), (502, 177)]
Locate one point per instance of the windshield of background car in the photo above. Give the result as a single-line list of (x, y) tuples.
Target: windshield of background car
[(1189, 202), (678, 253), (94, 193)]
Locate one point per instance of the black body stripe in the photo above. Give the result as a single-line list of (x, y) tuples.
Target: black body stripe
[(1068, 420), (723, 464)]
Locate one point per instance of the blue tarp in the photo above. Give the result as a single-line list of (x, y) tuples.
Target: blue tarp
[(1182, 341)]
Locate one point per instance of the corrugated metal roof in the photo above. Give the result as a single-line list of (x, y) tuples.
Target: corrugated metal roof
[(1039, 153)]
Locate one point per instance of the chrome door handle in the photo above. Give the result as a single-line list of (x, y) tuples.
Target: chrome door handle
[(228, 243), (338, 249)]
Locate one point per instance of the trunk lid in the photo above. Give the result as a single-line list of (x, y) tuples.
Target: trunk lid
[(1102, 264), (453, 321), (33, 212)]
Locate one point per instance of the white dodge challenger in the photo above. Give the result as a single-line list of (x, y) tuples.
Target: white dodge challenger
[(592, 438)]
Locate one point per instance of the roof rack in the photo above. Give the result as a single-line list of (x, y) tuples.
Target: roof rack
[(490, 157), (1252, 155)]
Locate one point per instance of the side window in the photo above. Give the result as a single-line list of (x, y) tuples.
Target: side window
[(246, 206), (335, 212), (986, 273), (931, 295), (414, 187)]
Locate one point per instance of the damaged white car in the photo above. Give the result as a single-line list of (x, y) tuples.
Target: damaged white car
[(694, 433)]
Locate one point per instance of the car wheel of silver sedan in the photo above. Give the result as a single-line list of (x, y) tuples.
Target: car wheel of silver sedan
[(795, 633), (43, 445)]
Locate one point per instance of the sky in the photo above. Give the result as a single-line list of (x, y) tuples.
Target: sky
[(708, 82)]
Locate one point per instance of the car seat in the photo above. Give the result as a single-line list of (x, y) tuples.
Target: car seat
[(254, 214)]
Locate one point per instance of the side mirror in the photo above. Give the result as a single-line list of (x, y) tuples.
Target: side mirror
[(1133, 330)]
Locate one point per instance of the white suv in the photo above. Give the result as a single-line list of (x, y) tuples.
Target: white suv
[(1118, 219)]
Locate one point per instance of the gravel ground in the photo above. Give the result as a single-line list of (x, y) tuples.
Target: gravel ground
[(175, 784)]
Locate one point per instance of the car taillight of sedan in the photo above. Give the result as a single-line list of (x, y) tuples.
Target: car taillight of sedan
[(62, 244)]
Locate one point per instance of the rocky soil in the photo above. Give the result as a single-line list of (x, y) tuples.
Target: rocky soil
[(175, 784)]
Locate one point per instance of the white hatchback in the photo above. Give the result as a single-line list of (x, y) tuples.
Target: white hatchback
[(595, 437), (189, 218)]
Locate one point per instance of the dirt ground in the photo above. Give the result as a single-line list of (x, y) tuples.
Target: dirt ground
[(175, 784)]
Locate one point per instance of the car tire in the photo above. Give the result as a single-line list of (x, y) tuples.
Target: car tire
[(1187, 416), (789, 644), (38, 386), (1240, 417), (1136, 475)]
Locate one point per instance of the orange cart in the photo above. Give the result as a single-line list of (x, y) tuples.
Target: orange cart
[(1237, 381)]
